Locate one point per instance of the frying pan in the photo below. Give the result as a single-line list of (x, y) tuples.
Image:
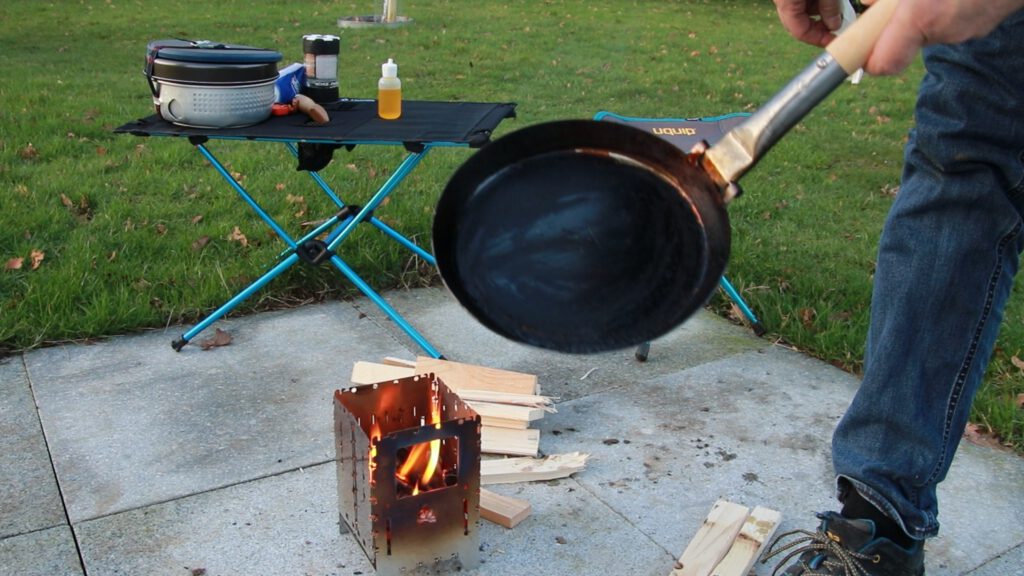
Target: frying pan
[(584, 236)]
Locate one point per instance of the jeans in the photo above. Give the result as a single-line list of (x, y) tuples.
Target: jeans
[(946, 261)]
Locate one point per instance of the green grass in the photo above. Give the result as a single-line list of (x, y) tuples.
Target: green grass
[(119, 217)]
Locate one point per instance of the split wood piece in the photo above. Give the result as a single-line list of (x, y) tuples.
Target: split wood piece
[(458, 376), (494, 440), (392, 361), (508, 411), (532, 400), (504, 510), (504, 423), (759, 528), (371, 372), (507, 470), (713, 539)]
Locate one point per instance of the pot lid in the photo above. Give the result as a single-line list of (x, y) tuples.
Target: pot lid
[(211, 52)]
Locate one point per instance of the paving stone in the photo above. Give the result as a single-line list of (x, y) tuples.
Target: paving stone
[(29, 497)]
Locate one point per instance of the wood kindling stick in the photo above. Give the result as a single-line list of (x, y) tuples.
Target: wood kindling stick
[(510, 411), (504, 510), (494, 440), (458, 376), (713, 539), (531, 400), (508, 470), (758, 529), (371, 372)]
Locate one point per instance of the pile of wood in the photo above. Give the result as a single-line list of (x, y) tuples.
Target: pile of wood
[(508, 404), (728, 542)]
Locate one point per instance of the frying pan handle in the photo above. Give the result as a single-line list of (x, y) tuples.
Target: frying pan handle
[(740, 149), (851, 48)]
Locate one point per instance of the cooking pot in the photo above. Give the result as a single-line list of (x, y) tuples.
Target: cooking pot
[(211, 85), (585, 236)]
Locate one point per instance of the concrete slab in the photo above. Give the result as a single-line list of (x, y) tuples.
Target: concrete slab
[(284, 524), (131, 422), (288, 524), (755, 429), (29, 497), (439, 317), (222, 460), (49, 552)]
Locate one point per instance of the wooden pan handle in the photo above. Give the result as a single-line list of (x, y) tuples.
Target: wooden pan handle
[(852, 47)]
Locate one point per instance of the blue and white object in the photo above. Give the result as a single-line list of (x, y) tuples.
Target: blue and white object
[(290, 80)]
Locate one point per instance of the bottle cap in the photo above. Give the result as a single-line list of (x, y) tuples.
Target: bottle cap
[(389, 69)]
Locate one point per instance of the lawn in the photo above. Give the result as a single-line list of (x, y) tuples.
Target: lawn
[(103, 234)]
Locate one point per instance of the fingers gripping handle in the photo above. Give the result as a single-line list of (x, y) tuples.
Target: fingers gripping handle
[(852, 47)]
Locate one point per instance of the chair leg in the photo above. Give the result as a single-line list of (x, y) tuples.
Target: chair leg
[(755, 324), (644, 349)]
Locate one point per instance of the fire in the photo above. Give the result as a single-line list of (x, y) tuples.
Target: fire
[(423, 456), (374, 439)]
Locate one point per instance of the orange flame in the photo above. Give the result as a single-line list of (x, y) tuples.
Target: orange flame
[(374, 439), (430, 452)]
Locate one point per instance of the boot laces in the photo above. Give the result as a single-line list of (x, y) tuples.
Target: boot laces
[(837, 559)]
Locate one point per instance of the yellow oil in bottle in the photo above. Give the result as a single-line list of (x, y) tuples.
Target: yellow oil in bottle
[(389, 103)]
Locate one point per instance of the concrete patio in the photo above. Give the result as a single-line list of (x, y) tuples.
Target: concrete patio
[(124, 457)]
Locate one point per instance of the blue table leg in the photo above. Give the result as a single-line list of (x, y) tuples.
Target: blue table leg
[(383, 305), (234, 302)]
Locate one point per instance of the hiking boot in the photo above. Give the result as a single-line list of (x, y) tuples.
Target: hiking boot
[(845, 547)]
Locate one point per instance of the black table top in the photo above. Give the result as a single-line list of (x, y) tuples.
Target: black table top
[(356, 122)]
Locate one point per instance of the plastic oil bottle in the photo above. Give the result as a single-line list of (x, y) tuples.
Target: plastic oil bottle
[(389, 91)]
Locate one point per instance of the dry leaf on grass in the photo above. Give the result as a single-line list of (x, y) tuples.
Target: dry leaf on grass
[(221, 338), (237, 236), (36, 259), (1020, 400), (976, 434), (1017, 362), (14, 264), (200, 243)]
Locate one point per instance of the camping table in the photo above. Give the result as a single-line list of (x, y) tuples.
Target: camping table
[(422, 127)]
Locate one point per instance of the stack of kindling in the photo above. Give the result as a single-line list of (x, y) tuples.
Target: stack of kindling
[(507, 402)]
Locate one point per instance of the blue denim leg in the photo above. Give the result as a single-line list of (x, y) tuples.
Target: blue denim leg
[(946, 261)]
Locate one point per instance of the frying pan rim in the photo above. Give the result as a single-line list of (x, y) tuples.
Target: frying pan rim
[(675, 167)]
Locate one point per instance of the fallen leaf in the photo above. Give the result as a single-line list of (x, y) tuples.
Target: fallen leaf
[(14, 264), (161, 229), (36, 258), (66, 201), (237, 236), (976, 434), (807, 316), (1017, 362), (279, 186), (200, 243), (197, 218), (112, 257), (29, 152), (221, 338), (1020, 400)]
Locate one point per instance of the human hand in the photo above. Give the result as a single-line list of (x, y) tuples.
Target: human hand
[(914, 24), (919, 23), (810, 21)]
